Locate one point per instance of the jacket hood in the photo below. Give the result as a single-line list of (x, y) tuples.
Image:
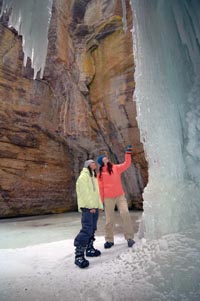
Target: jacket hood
[(85, 170)]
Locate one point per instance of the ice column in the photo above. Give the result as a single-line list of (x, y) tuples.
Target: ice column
[(166, 37), (31, 19), (124, 15)]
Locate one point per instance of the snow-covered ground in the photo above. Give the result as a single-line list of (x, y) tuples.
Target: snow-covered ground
[(37, 254)]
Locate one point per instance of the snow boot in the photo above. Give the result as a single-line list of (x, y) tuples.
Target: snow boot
[(108, 244), (80, 260), (130, 242), (91, 251)]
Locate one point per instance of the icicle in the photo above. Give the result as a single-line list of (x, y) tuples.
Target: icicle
[(31, 20), (124, 15)]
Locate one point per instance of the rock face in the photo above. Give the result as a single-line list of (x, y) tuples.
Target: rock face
[(33, 160), (83, 107)]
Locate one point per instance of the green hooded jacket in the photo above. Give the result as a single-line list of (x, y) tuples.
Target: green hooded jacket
[(87, 191)]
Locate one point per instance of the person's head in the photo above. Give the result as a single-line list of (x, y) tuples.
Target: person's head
[(91, 165), (102, 160)]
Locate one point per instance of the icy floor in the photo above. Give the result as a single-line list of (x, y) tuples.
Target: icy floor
[(36, 263)]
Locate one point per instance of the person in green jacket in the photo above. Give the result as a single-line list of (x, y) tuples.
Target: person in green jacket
[(89, 203)]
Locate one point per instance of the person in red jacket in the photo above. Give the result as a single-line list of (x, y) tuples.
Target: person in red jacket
[(112, 194)]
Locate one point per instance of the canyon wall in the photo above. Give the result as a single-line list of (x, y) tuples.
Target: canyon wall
[(82, 107)]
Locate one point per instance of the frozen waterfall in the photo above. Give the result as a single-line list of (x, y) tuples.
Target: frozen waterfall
[(31, 20), (166, 37)]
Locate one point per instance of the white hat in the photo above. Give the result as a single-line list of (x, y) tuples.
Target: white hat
[(88, 162)]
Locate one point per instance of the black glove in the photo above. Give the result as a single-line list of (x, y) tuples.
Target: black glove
[(129, 149)]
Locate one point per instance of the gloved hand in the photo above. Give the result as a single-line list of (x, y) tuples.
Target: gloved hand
[(129, 149)]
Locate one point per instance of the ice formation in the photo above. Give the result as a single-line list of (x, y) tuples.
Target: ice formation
[(166, 37), (124, 15), (31, 20)]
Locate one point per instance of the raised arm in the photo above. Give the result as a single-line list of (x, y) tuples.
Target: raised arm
[(126, 164)]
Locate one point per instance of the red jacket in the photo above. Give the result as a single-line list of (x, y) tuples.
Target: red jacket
[(110, 185)]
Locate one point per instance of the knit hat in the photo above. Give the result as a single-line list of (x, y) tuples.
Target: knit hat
[(88, 162), (100, 159)]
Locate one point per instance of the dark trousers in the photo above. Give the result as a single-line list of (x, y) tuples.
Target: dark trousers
[(89, 226)]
